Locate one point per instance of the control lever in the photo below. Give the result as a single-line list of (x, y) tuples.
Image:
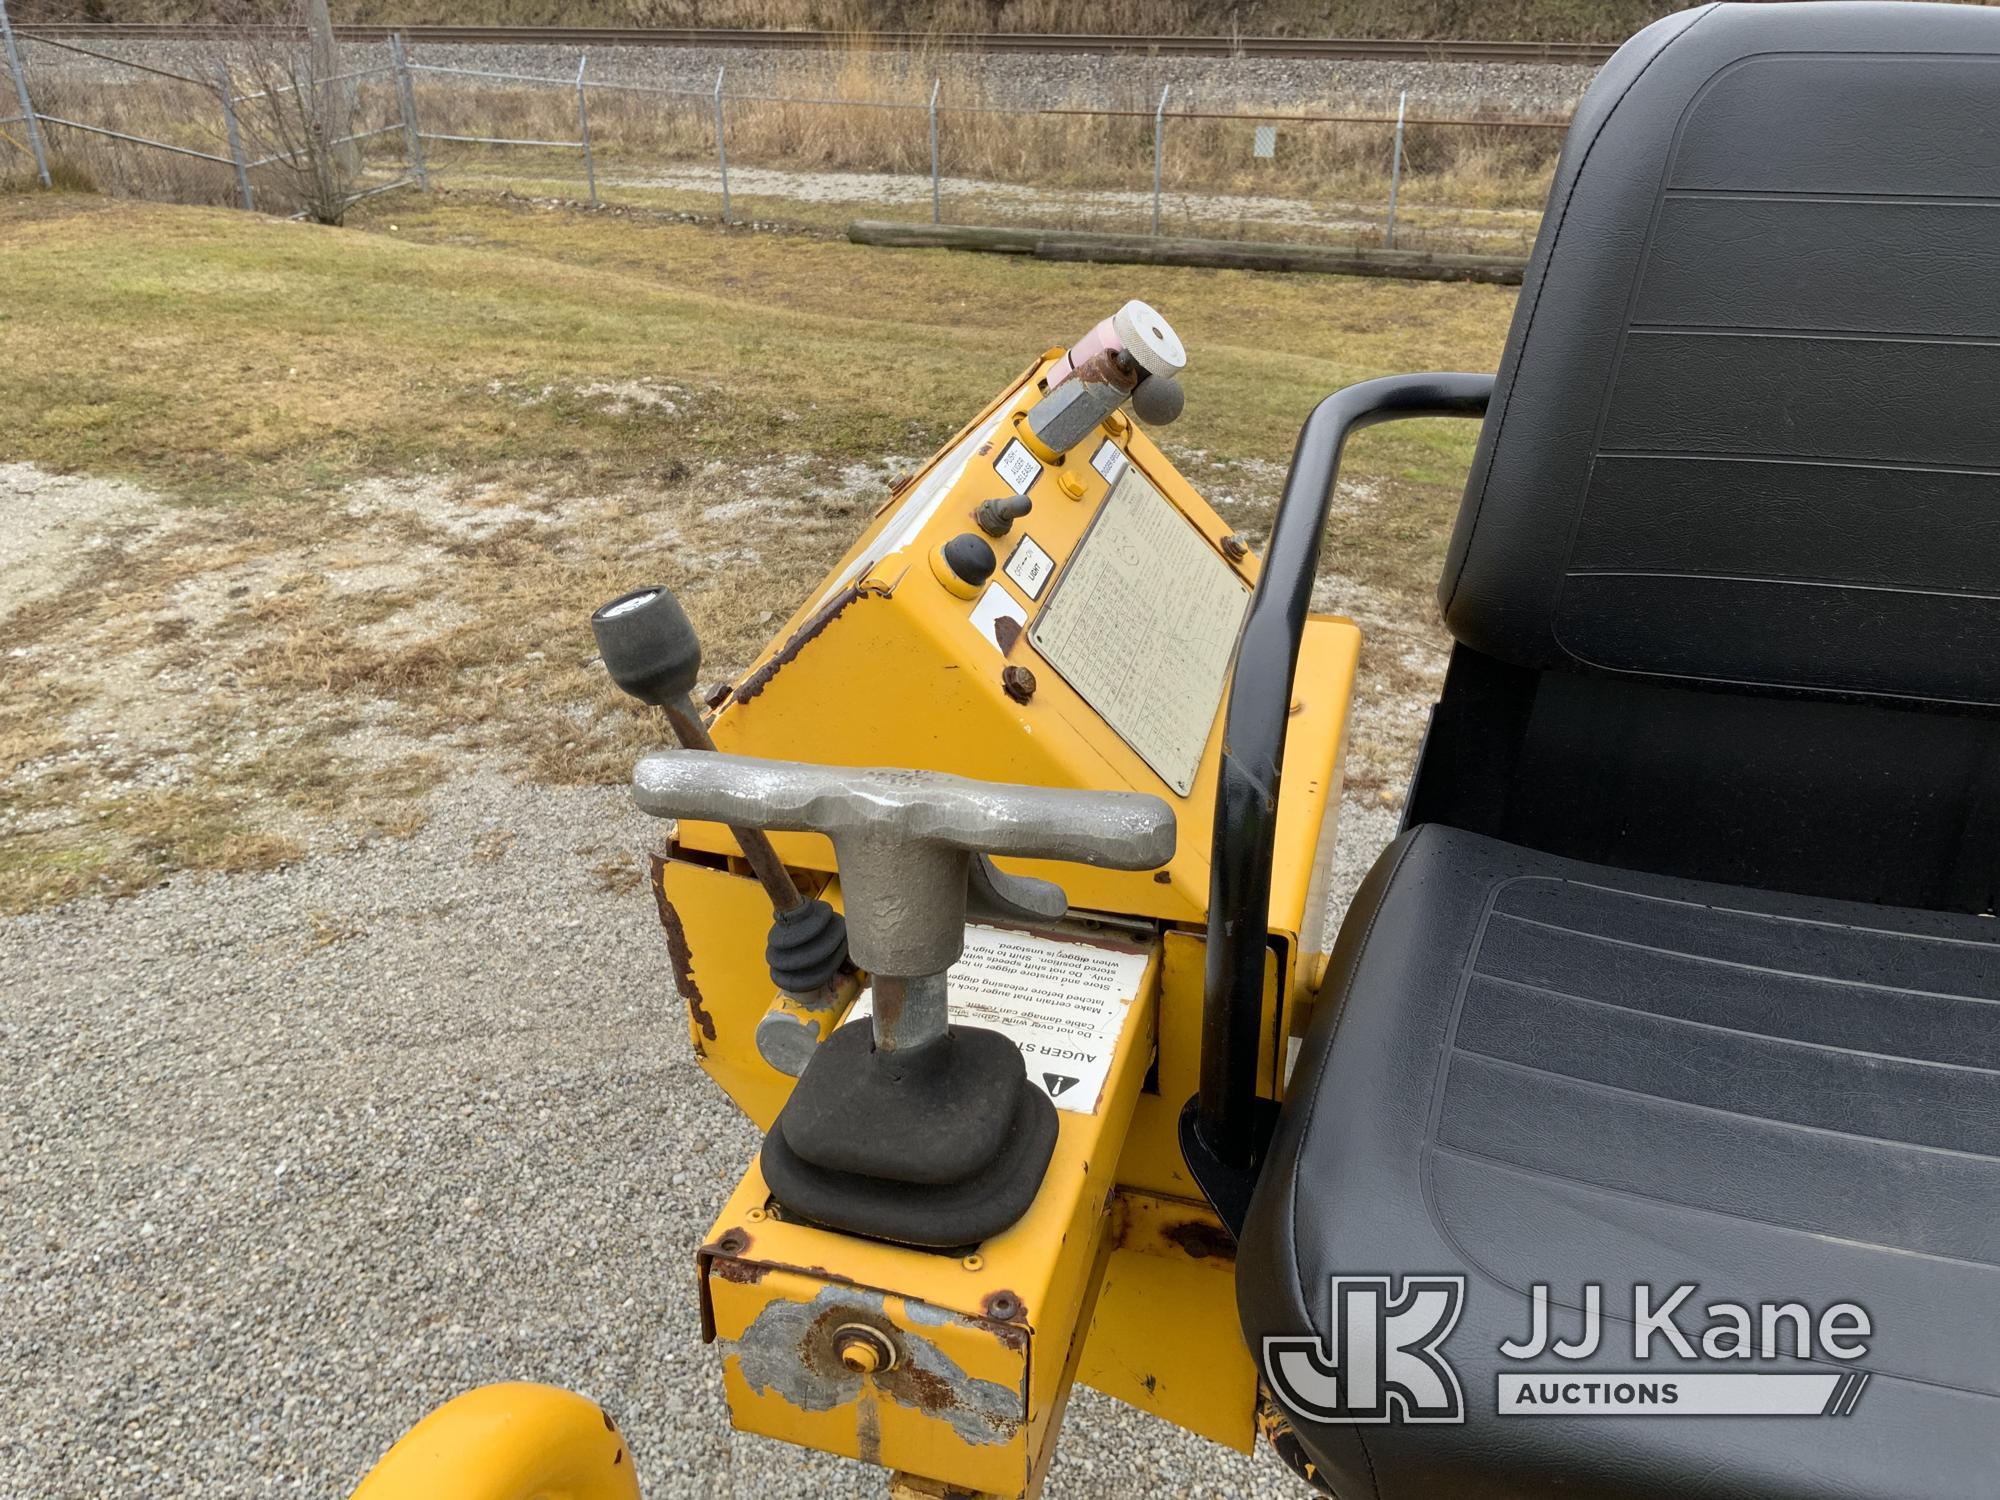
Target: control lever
[(909, 1128), (651, 650)]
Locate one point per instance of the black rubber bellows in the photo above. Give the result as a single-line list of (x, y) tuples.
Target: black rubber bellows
[(940, 1146), (807, 946)]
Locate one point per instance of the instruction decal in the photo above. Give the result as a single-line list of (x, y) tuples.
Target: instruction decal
[(1143, 623), (1030, 567), (1063, 1001), (1108, 460), (1017, 467)]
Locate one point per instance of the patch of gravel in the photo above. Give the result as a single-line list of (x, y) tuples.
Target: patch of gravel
[(50, 524), (1018, 80), (294, 1157), (988, 201)]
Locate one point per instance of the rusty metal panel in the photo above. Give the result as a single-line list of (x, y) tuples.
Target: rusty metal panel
[(715, 922), (1164, 1336), (954, 1404)]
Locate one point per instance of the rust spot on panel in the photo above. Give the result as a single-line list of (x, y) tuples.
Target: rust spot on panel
[(1201, 1239), (791, 1350), (822, 617), (1006, 630), (868, 1431), (1010, 1335), (742, 1272), (1150, 1383), (928, 1386), (730, 1242), (683, 961)]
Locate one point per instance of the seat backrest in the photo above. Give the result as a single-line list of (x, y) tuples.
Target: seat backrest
[(1747, 426)]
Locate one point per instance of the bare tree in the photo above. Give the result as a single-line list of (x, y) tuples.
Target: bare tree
[(294, 105)]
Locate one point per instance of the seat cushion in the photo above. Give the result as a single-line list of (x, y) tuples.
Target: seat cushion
[(1526, 1069)]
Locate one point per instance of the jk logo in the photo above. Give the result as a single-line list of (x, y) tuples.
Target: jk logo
[(1381, 1363)]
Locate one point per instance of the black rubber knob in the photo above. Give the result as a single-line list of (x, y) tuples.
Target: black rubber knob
[(649, 647), (1157, 400), (807, 946), (970, 558), (997, 517)]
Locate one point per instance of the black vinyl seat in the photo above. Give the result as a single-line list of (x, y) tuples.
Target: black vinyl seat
[(1532, 1069), (1685, 969)]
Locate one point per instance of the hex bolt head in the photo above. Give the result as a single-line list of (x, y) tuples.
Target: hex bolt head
[(1018, 683)]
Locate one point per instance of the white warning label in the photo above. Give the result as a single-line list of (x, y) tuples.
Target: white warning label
[(1030, 567), (1062, 1000), (1018, 467)]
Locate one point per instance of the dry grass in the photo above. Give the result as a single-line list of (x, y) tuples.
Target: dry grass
[(864, 111), (398, 468)]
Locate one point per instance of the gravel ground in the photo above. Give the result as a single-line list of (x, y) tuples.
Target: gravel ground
[(293, 1157), (1024, 80), (992, 202)]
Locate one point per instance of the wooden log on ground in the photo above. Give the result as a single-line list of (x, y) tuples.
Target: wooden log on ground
[(1140, 249)]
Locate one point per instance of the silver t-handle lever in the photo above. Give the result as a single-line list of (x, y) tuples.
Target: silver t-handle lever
[(905, 842)]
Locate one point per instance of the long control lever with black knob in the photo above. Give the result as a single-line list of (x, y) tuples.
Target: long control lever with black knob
[(651, 650), (907, 1127)]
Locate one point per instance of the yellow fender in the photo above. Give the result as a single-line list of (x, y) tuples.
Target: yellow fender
[(514, 1441)]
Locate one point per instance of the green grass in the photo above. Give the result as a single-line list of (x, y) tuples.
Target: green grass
[(221, 354)]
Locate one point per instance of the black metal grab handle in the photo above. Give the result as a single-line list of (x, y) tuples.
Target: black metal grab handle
[(1224, 1120)]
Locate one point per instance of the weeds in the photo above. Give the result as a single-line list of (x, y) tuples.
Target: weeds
[(1086, 161)]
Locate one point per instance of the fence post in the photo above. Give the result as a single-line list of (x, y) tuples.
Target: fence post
[(413, 141), (583, 122), (228, 97), (721, 144), (1159, 144), (21, 92), (936, 84), (1396, 169)]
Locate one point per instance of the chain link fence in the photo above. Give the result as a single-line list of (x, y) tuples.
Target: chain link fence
[(249, 125)]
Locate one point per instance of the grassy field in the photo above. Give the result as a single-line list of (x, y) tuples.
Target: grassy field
[(385, 472)]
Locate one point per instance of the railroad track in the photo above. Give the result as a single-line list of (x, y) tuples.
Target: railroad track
[(1325, 49)]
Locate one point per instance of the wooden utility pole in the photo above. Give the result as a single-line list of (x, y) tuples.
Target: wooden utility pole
[(333, 95)]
